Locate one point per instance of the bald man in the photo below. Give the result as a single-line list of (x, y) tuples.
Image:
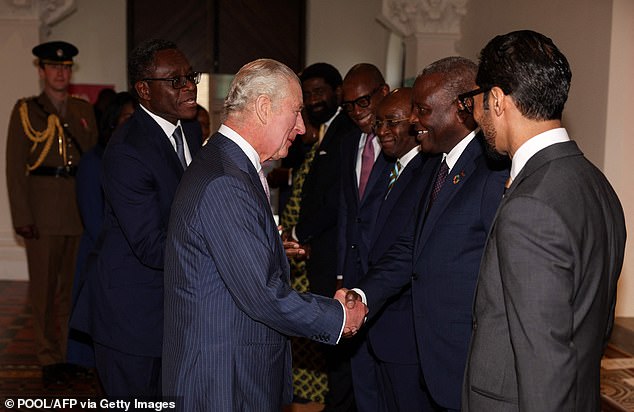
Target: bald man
[(391, 334)]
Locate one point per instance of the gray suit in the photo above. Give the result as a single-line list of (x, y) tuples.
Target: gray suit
[(228, 301), (546, 292)]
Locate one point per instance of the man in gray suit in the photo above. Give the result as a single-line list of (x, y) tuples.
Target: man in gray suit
[(228, 303), (544, 304)]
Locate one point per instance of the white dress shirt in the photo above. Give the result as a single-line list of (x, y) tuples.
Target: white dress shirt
[(169, 128)]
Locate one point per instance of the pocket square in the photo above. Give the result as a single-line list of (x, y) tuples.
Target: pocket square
[(322, 152)]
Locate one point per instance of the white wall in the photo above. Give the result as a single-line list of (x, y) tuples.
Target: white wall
[(344, 33), (98, 29), (619, 146)]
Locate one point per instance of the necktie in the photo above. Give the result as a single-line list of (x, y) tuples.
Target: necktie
[(396, 170), (440, 179), (265, 185), (180, 150), (367, 161), (322, 132)]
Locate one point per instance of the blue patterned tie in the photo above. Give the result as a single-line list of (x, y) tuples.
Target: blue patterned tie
[(396, 170)]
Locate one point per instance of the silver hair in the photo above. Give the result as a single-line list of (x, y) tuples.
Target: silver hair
[(259, 77)]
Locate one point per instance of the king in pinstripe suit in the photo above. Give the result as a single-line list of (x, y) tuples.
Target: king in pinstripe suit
[(228, 303)]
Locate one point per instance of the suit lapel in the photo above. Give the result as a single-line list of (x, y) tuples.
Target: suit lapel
[(412, 169), (456, 179), (379, 175)]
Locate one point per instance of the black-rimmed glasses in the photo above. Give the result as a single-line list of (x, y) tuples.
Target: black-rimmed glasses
[(390, 123), (466, 99), (362, 102), (178, 82)]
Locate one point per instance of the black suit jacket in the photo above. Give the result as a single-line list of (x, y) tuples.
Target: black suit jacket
[(121, 303), (357, 217), (317, 224)]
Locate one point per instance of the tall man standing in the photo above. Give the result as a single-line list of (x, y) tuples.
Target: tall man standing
[(47, 136), (544, 306), (121, 303), (229, 305), (364, 179)]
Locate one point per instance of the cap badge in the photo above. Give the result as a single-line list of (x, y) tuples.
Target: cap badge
[(59, 52)]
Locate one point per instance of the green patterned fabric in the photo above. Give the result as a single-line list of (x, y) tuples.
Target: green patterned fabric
[(309, 369)]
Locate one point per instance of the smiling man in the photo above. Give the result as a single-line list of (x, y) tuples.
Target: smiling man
[(229, 305), (121, 303)]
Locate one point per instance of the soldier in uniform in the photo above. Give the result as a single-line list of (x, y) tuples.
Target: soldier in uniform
[(46, 138)]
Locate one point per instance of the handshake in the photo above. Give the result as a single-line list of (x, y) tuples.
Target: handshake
[(356, 311)]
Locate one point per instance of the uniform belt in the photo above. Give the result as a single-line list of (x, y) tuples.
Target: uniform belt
[(61, 171)]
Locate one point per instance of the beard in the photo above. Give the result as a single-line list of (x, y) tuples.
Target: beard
[(493, 155), (320, 116)]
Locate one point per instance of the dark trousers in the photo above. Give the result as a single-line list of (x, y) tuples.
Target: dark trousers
[(127, 376), (340, 396)]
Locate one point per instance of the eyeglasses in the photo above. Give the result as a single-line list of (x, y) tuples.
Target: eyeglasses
[(362, 102), (178, 82), (466, 99), (390, 123)]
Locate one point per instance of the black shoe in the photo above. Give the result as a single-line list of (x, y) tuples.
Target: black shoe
[(54, 375)]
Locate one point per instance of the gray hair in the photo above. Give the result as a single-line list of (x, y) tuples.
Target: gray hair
[(458, 73), (259, 77)]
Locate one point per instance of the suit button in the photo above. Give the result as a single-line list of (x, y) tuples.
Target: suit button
[(475, 325), (353, 246), (358, 220), (414, 276)]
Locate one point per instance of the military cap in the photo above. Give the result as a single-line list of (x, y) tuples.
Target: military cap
[(55, 52)]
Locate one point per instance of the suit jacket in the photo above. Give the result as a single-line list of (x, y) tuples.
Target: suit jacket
[(545, 301), (228, 301), (396, 318), (317, 224), (46, 201), (357, 216), (121, 302), (441, 255)]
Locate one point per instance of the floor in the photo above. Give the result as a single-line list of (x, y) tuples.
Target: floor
[(20, 373)]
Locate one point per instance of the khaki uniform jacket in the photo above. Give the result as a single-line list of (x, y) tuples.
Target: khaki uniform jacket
[(49, 202)]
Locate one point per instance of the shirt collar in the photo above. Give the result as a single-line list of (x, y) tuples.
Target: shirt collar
[(452, 157), (533, 145), (248, 150), (407, 157), (167, 127)]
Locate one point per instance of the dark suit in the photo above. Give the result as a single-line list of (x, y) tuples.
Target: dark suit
[(121, 302), (355, 224), (228, 301), (441, 255), (317, 223), (391, 336), (545, 301)]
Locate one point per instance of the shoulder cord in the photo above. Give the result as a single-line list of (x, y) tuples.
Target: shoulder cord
[(47, 135)]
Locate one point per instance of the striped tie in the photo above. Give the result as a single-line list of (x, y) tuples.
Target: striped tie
[(396, 170)]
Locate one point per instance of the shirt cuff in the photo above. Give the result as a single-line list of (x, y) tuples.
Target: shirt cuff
[(344, 322), (362, 294)]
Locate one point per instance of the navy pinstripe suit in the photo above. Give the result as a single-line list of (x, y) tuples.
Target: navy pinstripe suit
[(228, 302)]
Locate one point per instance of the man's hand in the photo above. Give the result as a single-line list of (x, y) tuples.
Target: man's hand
[(356, 311), (293, 249), (28, 232)]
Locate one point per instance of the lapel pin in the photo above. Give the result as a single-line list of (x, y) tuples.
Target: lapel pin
[(458, 177)]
